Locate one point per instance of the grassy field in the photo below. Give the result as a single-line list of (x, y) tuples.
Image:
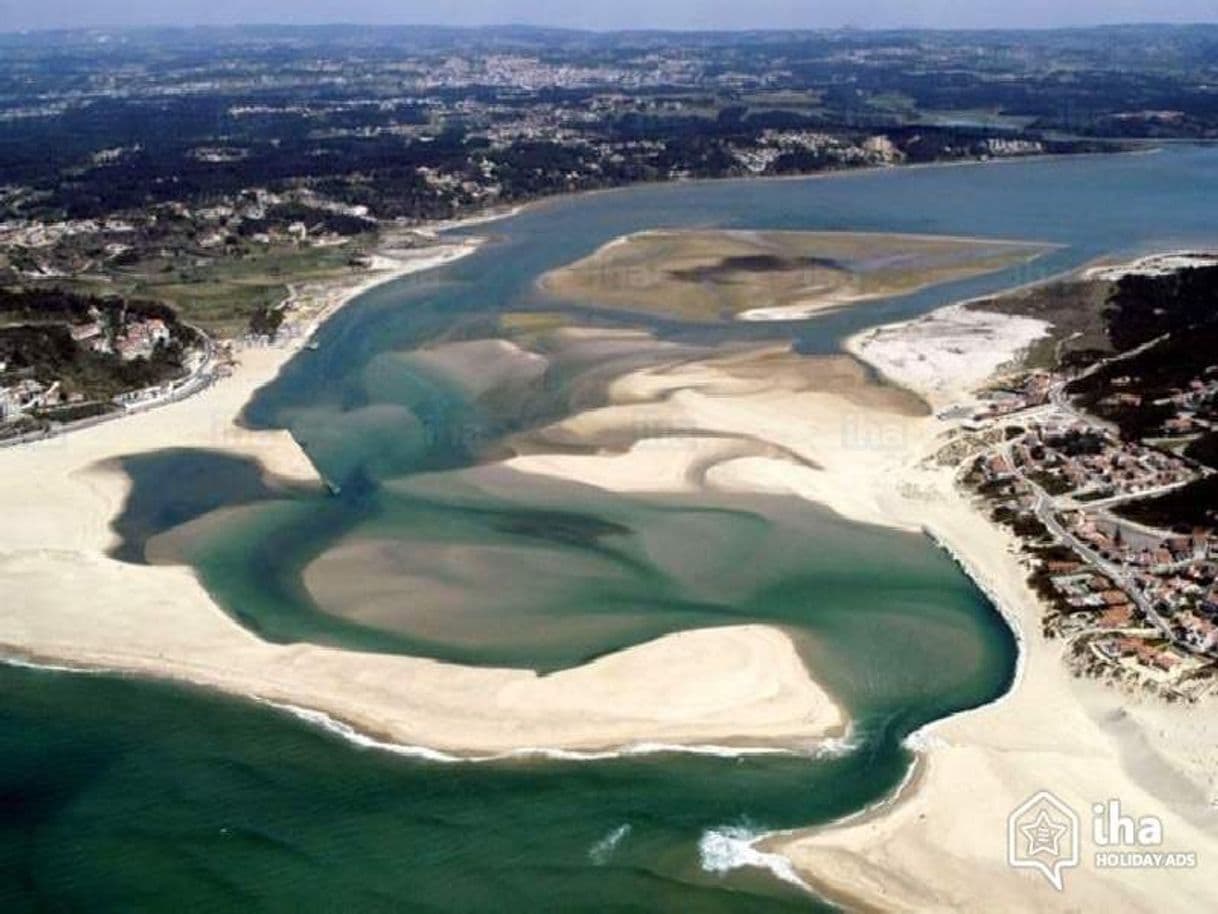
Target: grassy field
[(722, 275), (221, 294)]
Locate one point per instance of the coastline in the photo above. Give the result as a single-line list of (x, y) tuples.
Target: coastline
[(839, 173), (994, 758), (1047, 731), (77, 607)]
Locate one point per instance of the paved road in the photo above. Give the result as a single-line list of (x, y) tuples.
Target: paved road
[(1046, 512)]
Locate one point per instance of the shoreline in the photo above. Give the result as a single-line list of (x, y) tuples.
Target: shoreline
[(1046, 731), (970, 568), (738, 684), (289, 340), (380, 742), (991, 760), (843, 172)]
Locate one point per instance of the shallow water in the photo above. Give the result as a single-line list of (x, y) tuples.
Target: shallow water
[(121, 790)]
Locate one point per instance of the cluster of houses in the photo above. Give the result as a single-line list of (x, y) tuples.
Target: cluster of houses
[(1026, 392), (25, 395), (1092, 463), (1136, 604), (1196, 406), (42, 250), (1117, 572), (1175, 576), (1159, 664), (773, 144), (26, 233), (1003, 147), (215, 224), (134, 339)]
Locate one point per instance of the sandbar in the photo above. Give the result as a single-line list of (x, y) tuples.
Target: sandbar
[(69, 603), (714, 275)]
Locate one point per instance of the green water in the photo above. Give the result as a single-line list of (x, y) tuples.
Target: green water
[(126, 796)]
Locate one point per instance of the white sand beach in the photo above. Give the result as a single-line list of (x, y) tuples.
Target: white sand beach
[(941, 846), (69, 603), (763, 419), (946, 355), (840, 441)]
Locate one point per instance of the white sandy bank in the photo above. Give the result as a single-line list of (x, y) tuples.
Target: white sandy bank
[(942, 846), (67, 602), (816, 429), (949, 353)]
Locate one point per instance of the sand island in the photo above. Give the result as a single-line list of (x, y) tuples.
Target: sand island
[(701, 275)]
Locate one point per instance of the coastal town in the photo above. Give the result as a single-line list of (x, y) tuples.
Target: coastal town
[(1135, 602), (120, 315)]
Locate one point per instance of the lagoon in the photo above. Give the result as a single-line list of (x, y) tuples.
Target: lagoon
[(129, 789)]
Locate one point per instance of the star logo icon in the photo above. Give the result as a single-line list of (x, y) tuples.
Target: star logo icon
[(1044, 834)]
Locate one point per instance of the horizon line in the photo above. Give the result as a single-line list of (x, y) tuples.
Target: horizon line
[(586, 30)]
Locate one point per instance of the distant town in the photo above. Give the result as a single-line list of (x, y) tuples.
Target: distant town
[(165, 191)]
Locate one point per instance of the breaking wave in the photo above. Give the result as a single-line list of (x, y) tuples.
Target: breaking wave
[(23, 663), (731, 847), (351, 734), (602, 850), (836, 746)]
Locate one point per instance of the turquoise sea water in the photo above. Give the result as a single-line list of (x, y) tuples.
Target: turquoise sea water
[(125, 796)]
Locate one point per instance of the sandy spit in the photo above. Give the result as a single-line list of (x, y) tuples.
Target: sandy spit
[(841, 441), (942, 845), (68, 603)]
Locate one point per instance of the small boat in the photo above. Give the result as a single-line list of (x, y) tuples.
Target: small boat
[(312, 345)]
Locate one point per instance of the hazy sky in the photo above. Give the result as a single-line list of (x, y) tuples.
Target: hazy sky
[(609, 14)]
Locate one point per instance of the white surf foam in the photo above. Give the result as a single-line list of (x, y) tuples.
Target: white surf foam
[(602, 850), (347, 732), (924, 740), (23, 663), (836, 747), (828, 748), (731, 847)]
